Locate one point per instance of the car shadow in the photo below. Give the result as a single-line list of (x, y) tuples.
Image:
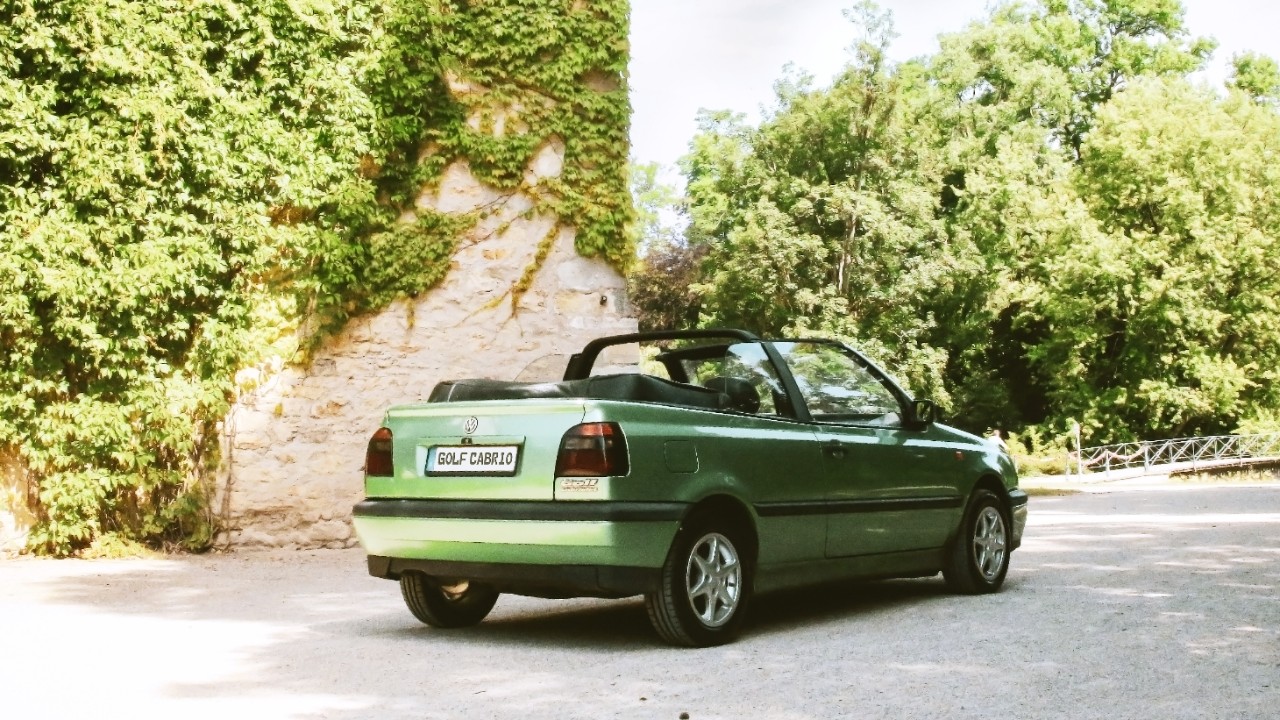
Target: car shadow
[(838, 603), (582, 625), (614, 625)]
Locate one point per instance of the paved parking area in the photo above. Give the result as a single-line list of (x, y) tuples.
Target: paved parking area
[(1153, 603)]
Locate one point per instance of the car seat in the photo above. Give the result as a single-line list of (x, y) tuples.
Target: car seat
[(741, 393)]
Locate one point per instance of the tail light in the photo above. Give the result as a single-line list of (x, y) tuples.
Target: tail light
[(592, 450), (377, 459)]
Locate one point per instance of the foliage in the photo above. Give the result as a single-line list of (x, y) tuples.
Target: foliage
[(1013, 101), (443, 90), (184, 184), (136, 237), (1037, 453), (1174, 322), (661, 284), (1044, 220), (113, 546), (657, 207), (661, 287), (557, 67), (1256, 75), (823, 220)]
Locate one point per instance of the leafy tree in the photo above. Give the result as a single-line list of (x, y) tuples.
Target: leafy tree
[(1165, 322), (658, 208), (661, 283), (1258, 76), (824, 219), (663, 287), (1014, 100), (1042, 222)]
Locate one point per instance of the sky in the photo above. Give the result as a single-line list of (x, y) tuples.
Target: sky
[(727, 54)]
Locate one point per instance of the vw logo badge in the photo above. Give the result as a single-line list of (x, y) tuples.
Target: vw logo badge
[(470, 425)]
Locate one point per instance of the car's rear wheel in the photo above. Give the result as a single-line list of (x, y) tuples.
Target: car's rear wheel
[(706, 582), (978, 558), (446, 604)]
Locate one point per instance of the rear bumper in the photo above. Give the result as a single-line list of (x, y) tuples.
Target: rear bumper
[(552, 581), (534, 548)]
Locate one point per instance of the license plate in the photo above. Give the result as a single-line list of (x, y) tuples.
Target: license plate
[(473, 460)]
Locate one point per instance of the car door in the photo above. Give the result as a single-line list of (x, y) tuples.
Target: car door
[(771, 456), (889, 487), (888, 491)]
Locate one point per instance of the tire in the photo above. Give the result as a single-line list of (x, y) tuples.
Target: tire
[(705, 586), (978, 558), (454, 605)]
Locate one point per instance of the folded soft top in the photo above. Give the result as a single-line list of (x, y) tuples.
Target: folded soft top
[(633, 387)]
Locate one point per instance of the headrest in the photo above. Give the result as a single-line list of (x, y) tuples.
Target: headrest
[(742, 394)]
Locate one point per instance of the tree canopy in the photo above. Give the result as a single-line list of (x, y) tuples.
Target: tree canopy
[(1046, 221)]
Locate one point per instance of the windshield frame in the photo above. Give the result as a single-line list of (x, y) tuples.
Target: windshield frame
[(904, 399)]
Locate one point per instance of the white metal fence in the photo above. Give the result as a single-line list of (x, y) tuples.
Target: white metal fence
[(1135, 459)]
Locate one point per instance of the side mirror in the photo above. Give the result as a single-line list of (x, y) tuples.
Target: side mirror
[(923, 412)]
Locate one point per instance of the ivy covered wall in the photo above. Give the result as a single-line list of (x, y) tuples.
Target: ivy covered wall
[(189, 189)]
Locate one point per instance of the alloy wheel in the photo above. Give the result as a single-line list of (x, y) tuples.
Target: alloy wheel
[(713, 579), (989, 545)]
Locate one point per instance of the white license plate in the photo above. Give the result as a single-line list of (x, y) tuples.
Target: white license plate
[(473, 460)]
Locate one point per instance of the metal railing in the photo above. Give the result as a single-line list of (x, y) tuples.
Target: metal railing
[(1135, 459)]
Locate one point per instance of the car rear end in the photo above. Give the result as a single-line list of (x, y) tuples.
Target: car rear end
[(513, 494)]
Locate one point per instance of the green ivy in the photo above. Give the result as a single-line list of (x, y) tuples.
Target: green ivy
[(527, 73), (557, 69), (184, 183)]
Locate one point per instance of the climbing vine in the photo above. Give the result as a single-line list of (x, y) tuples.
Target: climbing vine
[(186, 183), (557, 72), (490, 82)]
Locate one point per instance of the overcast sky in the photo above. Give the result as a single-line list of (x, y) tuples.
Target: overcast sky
[(726, 54)]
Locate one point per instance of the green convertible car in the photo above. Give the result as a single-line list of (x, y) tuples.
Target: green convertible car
[(695, 468)]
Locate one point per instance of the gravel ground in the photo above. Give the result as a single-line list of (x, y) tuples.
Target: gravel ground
[(1151, 603)]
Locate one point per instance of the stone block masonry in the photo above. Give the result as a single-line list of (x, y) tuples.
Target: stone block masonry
[(293, 447), (15, 518)]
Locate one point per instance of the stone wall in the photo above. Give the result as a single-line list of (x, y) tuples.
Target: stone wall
[(15, 518), (294, 445)]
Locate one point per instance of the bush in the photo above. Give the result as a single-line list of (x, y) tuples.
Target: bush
[(180, 182), (1037, 452)]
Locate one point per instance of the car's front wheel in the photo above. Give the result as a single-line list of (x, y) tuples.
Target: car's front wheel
[(979, 556), (446, 604), (705, 586)]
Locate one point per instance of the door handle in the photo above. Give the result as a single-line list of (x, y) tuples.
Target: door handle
[(834, 449)]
